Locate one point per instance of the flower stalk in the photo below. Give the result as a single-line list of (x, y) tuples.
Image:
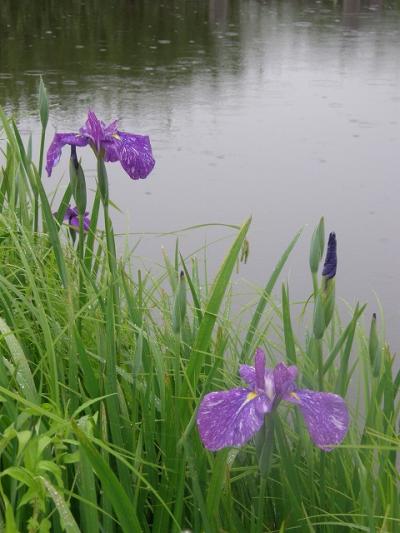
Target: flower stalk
[(316, 251), (109, 144), (265, 442), (44, 118), (374, 348)]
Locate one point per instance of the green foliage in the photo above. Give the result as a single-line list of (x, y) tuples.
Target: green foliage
[(43, 104), (101, 372), (317, 246)]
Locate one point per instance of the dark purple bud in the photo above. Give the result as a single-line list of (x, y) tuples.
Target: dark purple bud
[(74, 157), (330, 264)]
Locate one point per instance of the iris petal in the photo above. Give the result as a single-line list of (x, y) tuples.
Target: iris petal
[(248, 374), (111, 129), (135, 155), (230, 418), (325, 415), (69, 213), (133, 151), (74, 222), (86, 222), (57, 144), (284, 377), (94, 129), (111, 150), (259, 363), (71, 217)]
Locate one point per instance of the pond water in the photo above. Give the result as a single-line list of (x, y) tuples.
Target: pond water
[(286, 110)]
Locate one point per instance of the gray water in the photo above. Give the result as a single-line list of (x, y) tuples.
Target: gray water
[(285, 110)]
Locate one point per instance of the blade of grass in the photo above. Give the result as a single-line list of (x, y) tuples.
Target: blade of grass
[(51, 226), (248, 343), (342, 339), (287, 327), (67, 520), (203, 337), (114, 490), (23, 373)]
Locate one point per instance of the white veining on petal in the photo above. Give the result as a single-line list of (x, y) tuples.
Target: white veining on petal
[(229, 418), (269, 387), (325, 415)]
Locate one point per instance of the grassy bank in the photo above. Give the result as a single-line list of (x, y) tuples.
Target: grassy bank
[(102, 370)]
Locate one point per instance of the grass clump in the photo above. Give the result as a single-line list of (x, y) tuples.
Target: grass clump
[(102, 370)]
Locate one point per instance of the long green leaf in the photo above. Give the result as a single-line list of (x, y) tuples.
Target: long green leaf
[(47, 214), (59, 216), (111, 486), (196, 300), (287, 327), (350, 327), (67, 520), (204, 333), (247, 346), (23, 373), (218, 479)]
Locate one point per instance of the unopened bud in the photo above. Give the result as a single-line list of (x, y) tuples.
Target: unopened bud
[(330, 264), (374, 348), (43, 104), (317, 246)]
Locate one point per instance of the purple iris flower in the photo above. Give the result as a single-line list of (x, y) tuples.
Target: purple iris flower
[(231, 418), (71, 217), (131, 150), (330, 264)]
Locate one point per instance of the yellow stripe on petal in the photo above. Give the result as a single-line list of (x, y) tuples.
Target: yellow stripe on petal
[(295, 396), (251, 396), (116, 136)]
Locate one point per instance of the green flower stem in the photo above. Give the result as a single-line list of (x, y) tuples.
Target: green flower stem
[(110, 241), (318, 329), (322, 462), (315, 283), (112, 260), (81, 256), (265, 441), (103, 188), (261, 505), (36, 192), (320, 362), (44, 118), (42, 139)]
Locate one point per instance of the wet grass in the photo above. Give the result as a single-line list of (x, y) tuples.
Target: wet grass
[(102, 370)]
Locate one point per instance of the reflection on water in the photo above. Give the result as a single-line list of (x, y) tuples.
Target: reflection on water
[(114, 46), (81, 47), (218, 11), (283, 109), (351, 7)]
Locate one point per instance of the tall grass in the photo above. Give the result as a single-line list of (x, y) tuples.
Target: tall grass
[(101, 372)]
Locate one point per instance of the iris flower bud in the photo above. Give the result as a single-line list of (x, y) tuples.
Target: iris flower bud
[(43, 104), (374, 348), (317, 246), (328, 282), (330, 264)]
